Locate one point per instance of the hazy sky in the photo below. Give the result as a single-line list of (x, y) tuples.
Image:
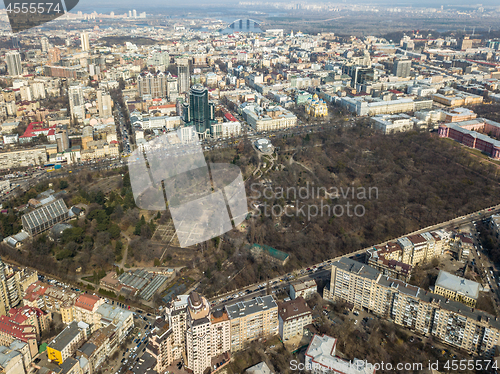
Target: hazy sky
[(84, 5)]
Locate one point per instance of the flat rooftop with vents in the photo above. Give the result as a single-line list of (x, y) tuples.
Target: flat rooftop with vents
[(245, 308)]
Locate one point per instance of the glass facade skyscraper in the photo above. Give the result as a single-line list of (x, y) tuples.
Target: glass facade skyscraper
[(198, 111)]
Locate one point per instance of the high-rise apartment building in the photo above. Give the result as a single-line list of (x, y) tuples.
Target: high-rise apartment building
[(15, 42), (192, 331), (62, 140), (183, 75), (152, 85), (199, 112), (10, 289), (172, 89), (13, 60), (251, 320), (45, 44), (198, 334), (76, 102), (84, 40), (54, 55), (401, 68), (104, 104)]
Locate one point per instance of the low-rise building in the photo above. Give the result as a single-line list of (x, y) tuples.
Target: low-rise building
[(472, 134), (11, 361), (160, 345), (102, 344), (457, 288), (459, 115), (51, 298), (122, 319), (43, 218), (304, 289), (389, 124), (269, 119), (11, 331), (451, 97), (35, 317), (260, 368), (321, 358), (386, 260)]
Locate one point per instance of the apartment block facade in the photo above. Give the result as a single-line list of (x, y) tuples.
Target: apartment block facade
[(409, 306), (293, 316), (251, 320), (190, 330)]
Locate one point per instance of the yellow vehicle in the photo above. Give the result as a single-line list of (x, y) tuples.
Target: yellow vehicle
[(49, 170)]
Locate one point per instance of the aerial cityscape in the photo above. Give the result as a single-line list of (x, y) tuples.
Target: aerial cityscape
[(249, 187)]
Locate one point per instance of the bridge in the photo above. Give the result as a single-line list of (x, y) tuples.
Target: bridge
[(244, 24)]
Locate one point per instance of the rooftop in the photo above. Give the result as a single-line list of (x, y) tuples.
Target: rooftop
[(291, 309), (459, 285), (256, 305), (65, 337), (321, 352), (87, 301), (356, 267)]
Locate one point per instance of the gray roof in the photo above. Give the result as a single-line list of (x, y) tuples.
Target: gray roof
[(65, 337), (88, 348), (460, 285), (6, 355), (401, 286), (113, 314), (245, 308), (20, 236), (260, 368), (356, 267), (68, 364)]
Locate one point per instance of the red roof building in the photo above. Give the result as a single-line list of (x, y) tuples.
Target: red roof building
[(10, 331), (88, 302)]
